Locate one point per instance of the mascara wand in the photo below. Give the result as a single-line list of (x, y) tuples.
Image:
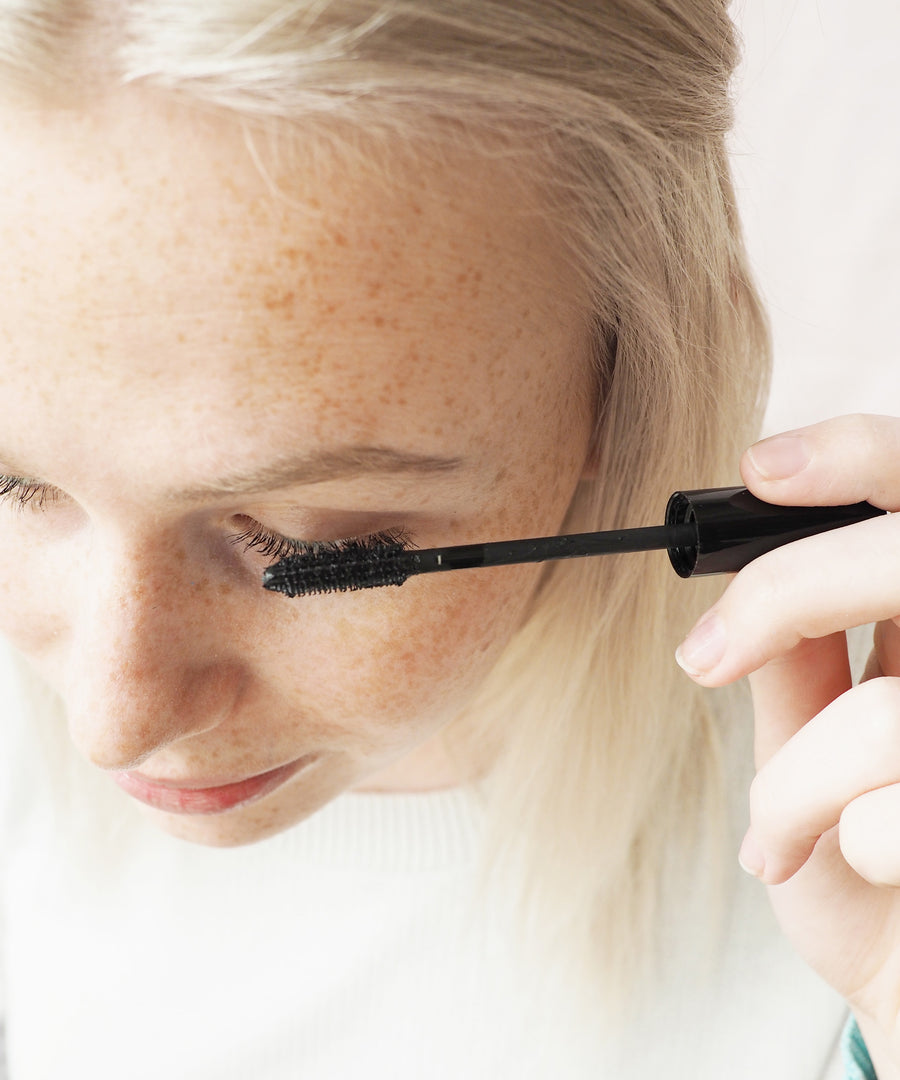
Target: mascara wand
[(709, 531)]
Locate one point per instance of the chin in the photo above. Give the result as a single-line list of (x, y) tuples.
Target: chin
[(219, 830)]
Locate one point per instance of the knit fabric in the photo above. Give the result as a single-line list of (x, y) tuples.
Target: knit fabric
[(354, 944), (857, 1063)]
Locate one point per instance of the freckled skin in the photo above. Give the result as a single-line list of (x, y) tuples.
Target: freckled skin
[(174, 322)]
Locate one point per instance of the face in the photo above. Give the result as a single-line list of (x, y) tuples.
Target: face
[(194, 368)]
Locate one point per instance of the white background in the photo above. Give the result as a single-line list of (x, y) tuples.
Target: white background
[(817, 159)]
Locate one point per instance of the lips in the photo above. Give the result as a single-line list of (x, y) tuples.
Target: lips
[(188, 797)]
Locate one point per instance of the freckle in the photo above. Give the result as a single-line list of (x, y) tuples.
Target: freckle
[(340, 239), (283, 302), (378, 320), (264, 338)]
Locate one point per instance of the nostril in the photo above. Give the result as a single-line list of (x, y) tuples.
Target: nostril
[(111, 764), (114, 745)]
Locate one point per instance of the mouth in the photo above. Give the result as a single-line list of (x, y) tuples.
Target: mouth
[(200, 797)]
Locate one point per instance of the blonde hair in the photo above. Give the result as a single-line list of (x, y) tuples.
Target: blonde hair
[(609, 761)]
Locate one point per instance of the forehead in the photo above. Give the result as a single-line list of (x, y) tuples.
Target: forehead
[(168, 264)]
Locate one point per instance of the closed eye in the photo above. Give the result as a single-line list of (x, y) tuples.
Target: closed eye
[(275, 546)]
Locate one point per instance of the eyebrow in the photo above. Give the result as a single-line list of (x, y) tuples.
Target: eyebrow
[(344, 464)]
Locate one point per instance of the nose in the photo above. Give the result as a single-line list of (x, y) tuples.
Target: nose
[(149, 665)]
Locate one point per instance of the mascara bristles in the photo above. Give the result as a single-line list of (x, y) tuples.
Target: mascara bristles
[(358, 565)]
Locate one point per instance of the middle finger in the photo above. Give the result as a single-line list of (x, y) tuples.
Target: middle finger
[(807, 590)]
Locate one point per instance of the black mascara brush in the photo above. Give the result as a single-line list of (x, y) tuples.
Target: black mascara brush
[(711, 531)]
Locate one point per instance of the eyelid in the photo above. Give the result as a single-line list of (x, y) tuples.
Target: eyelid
[(22, 491)]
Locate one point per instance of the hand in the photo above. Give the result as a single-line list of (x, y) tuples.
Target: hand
[(825, 804)]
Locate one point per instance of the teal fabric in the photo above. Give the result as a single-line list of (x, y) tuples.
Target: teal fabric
[(857, 1063)]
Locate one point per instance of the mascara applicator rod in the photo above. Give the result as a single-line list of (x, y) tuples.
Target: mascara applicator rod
[(541, 549), (706, 531)]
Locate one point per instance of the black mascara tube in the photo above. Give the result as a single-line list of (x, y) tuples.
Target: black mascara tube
[(733, 527)]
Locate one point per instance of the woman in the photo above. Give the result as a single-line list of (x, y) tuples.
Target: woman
[(287, 274)]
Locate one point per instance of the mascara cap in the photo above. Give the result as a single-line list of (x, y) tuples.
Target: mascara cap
[(733, 527)]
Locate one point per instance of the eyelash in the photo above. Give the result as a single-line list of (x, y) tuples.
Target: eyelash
[(23, 493), (276, 547)]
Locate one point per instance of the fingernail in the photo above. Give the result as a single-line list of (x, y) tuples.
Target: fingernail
[(751, 857), (703, 648), (780, 457)]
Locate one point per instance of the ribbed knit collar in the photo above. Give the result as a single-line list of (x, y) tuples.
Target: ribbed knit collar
[(389, 832)]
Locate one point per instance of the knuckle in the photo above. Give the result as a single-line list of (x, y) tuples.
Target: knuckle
[(855, 439), (867, 831), (878, 707), (766, 813), (758, 588), (761, 607), (856, 426), (856, 431)]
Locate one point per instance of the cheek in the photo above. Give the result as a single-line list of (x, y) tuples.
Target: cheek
[(31, 613), (393, 664)]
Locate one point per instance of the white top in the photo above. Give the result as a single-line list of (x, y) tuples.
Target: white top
[(344, 947)]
